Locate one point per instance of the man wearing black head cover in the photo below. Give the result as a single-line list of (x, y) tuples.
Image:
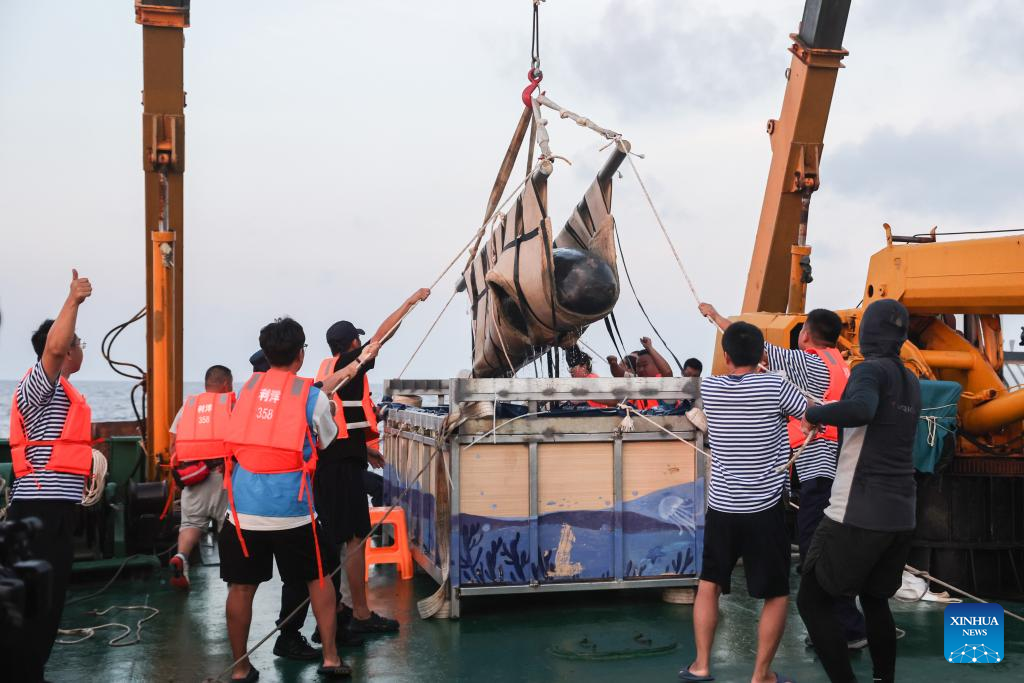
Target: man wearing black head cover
[(862, 543)]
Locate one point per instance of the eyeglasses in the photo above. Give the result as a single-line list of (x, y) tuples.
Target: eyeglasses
[(305, 346), (80, 344)]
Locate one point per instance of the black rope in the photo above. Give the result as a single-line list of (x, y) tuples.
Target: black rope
[(615, 324), (611, 334), (625, 269)]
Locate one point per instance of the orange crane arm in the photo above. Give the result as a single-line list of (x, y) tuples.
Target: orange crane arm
[(163, 161), (780, 267)]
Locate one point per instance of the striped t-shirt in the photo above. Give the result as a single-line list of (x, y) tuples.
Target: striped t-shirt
[(44, 407), (809, 372), (747, 434)]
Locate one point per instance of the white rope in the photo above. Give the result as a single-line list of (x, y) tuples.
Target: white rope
[(97, 480), (86, 633), (429, 330), (800, 451), (664, 231), (582, 121)]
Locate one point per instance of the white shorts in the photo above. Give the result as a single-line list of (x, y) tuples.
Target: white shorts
[(204, 502)]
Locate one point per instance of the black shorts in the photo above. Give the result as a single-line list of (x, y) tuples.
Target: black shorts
[(849, 561), (340, 495), (760, 538), (293, 550)]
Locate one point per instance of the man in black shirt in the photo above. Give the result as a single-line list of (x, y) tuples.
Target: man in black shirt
[(340, 494), (342, 499), (862, 543)]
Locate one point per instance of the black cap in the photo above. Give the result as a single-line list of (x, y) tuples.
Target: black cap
[(259, 361), (341, 334)]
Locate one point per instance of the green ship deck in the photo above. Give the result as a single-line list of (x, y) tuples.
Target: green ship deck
[(501, 638)]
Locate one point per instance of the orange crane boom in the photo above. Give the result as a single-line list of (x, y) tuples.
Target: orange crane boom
[(780, 265), (163, 160)]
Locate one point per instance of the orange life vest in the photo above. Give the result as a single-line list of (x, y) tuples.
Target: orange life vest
[(266, 434), (202, 427), (594, 404), (838, 375), (645, 403), (366, 403), (72, 450)]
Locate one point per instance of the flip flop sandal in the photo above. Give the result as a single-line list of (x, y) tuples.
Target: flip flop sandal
[(686, 675), (782, 678), (340, 671)]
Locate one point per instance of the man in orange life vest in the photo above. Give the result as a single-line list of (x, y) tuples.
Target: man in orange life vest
[(340, 489), (51, 451), (649, 363), (279, 422), (818, 368), (197, 461)]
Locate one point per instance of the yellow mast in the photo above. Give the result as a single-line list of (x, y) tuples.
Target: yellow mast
[(163, 160)]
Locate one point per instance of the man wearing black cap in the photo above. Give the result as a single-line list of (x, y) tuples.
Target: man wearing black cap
[(343, 494), (340, 493), (862, 542)]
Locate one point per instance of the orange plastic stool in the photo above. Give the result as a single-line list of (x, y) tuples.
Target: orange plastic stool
[(397, 553)]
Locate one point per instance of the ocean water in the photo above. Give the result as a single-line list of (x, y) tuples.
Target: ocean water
[(110, 399)]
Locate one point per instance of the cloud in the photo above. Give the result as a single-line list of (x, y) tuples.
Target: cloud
[(672, 54), (970, 170)]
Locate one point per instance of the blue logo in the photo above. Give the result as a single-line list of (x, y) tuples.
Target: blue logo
[(973, 633)]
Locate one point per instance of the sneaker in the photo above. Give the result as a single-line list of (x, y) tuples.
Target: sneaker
[(375, 623), (857, 644), (179, 571), (293, 645)]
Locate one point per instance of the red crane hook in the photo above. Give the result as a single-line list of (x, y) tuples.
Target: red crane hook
[(535, 76)]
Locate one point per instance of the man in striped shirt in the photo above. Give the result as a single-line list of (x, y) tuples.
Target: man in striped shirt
[(53, 497), (816, 466), (746, 414)]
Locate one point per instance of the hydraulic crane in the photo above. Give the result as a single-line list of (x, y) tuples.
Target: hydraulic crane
[(163, 161), (971, 513)]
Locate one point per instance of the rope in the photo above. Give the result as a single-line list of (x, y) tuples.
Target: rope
[(110, 583), (97, 480), (657, 217), (88, 632), (348, 558), (800, 451), (925, 575), (429, 330)]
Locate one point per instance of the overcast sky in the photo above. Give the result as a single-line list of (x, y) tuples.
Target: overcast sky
[(340, 153)]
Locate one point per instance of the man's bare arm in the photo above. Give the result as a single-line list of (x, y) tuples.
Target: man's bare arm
[(708, 311), (62, 332), (334, 380), (390, 325), (664, 369)]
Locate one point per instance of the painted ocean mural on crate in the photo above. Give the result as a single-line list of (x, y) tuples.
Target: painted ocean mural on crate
[(660, 532)]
